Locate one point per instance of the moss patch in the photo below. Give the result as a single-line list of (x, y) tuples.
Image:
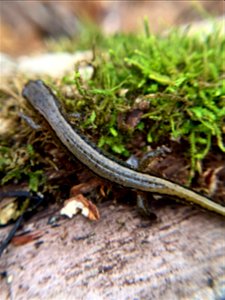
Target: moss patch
[(180, 77), (146, 90)]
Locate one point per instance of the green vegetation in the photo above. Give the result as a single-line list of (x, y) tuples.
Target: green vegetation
[(21, 164), (178, 79), (181, 77)]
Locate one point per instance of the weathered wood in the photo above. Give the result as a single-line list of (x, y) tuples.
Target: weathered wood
[(179, 256)]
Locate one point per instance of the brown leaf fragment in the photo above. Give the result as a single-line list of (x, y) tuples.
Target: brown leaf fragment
[(129, 121), (25, 238), (102, 191), (85, 187), (134, 118), (81, 204), (211, 180)]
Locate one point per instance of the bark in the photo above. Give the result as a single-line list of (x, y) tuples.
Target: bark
[(181, 255)]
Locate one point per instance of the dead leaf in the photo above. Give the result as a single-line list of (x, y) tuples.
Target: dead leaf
[(8, 212), (25, 238), (81, 204), (211, 180), (85, 187)]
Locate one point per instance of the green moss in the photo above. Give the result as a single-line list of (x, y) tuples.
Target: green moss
[(19, 165), (182, 78)]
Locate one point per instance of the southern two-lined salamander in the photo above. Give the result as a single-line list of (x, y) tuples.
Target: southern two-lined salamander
[(44, 101)]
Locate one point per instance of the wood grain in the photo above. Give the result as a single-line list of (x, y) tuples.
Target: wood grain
[(181, 255)]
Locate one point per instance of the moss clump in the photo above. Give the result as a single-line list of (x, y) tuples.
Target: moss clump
[(180, 76), (145, 90), (21, 164)]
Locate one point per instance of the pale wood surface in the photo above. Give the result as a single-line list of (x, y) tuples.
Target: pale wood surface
[(122, 256)]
